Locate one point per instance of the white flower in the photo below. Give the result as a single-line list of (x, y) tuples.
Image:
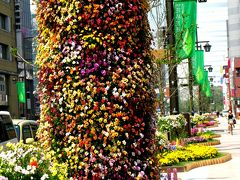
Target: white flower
[(107, 88), (3, 178), (45, 176), (24, 171), (60, 100), (116, 94), (17, 169)]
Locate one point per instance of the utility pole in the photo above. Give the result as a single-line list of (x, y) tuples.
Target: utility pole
[(190, 85), (172, 67)]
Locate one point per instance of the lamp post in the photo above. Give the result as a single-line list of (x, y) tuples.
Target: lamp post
[(207, 48), (172, 68)]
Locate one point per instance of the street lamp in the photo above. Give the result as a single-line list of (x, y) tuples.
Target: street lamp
[(200, 1), (210, 68), (207, 46)]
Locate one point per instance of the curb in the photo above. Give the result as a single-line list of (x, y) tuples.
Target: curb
[(216, 136), (191, 165), (210, 143)]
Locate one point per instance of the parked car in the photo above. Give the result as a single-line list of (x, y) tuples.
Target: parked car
[(7, 131), (26, 130)]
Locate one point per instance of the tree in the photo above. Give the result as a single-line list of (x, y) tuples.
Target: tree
[(95, 88)]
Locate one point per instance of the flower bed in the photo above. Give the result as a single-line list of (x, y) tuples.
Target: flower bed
[(187, 166), (195, 139), (188, 153), (21, 161)]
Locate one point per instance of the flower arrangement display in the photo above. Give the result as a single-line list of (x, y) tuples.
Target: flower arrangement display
[(173, 124), (169, 123), (198, 119), (187, 153), (95, 90), (21, 161), (202, 120)]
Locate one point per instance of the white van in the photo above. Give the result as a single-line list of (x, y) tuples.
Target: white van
[(7, 130)]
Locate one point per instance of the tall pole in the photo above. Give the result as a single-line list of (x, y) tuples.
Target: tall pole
[(190, 84), (172, 67), (199, 87)]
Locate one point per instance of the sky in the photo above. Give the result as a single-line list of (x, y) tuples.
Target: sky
[(211, 21)]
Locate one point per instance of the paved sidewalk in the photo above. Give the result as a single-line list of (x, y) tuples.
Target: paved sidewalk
[(229, 170)]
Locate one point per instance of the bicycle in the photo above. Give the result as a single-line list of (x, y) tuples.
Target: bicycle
[(230, 128)]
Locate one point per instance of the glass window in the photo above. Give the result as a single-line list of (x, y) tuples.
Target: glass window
[(4, 52), (2, 84), (17, 7), (34, 130), (4, 22), (6, 128), (26, 132), (238, 72), (17, 128)]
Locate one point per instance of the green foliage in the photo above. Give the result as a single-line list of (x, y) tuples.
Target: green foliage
[(207, 134), (21, 161)]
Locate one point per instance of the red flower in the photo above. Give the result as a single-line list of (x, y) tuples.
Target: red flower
[(34, 163)]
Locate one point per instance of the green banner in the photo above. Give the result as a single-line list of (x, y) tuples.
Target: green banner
[(198, 66), (208, 90), (185, 27), (206, 85), (21, 92)]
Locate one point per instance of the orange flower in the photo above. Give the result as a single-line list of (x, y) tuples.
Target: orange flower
[(34, 163)]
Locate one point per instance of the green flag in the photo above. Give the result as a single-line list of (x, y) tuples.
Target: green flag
[(21, 92), (185, 27), (205, 82), (208, 90), (198, 66)]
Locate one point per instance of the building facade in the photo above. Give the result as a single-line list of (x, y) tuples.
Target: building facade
[(8, 64), (233, 27), (24, 37)]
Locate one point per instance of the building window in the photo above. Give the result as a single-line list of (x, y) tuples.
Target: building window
[(18, 26), (4, 22), (237, 72), (17, 7), (17, 13), (4, 52), (2, 84)]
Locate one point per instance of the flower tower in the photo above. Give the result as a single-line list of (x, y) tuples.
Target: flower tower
[(95, 87)]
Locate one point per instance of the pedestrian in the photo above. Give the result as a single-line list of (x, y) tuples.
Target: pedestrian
[(230, 122)]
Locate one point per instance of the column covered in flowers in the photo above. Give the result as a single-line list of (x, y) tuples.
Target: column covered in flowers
[(95, 87)]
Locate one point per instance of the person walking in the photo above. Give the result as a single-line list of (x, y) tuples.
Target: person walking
[(230, 123)]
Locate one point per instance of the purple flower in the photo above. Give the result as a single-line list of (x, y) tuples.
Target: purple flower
[(83, 72), (104, 72), (96, 66)]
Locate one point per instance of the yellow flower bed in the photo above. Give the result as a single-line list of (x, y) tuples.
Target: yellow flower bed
[(188, 153)]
